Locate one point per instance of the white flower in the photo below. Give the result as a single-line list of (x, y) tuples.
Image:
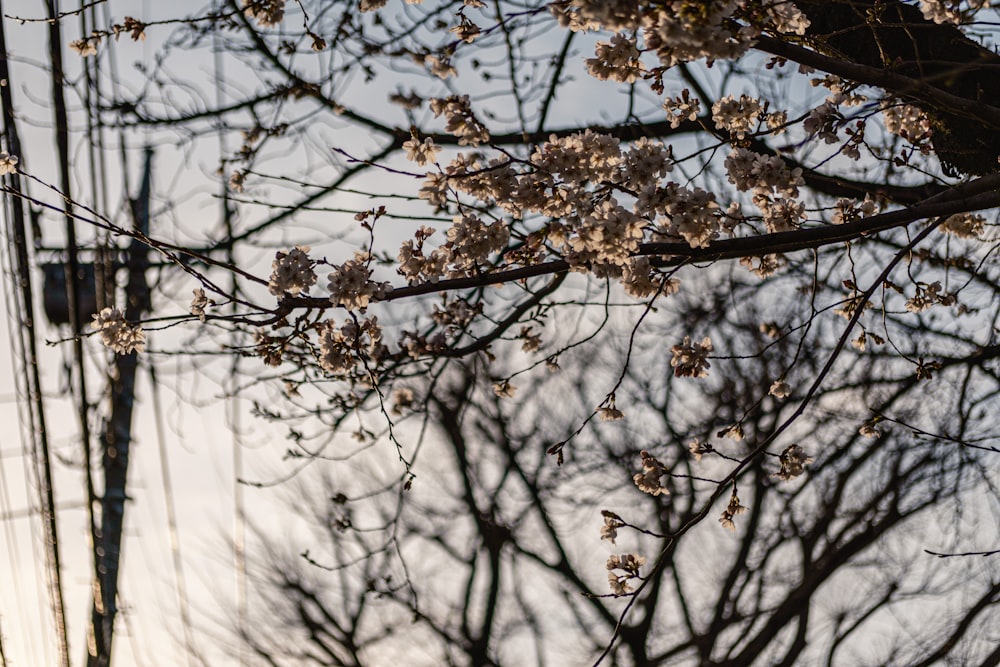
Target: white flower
[(236, 181), (471, 241), (402, 399), (617, 60), (610, 414), (350, 285), (291, 272), (739, 117), (691, 360), (200, 303), (441, 67), (421, 153), (612, 522), (84, 47), (118, 334), (457, 111), (850, 210), (962, 225), (868, 429), (680, 109), (766, 265), (648, 480), (787, 18), (927, 296), (939, 11), (733, 510), (267, 13), (629, 565), (699, 448), (780, 389), (504, 389), (8, 163), (907, 121), (793, 462), (340, 347)]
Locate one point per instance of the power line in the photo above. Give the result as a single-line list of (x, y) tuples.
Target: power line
[(25, 334), (168, 493)]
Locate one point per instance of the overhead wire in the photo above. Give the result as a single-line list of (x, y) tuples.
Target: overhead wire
[(232, 405), (72, 266), (26, 345), (172, 525)]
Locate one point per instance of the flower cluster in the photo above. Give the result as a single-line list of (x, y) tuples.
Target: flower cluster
[(471, 241), (786, 18), (460, 120), (351, 286), (764, 175), (267, 13), (869, 430), (199, 303), (773, 184), (691, 360), (648, 480), (699, 448), (341, 347), (928, 295), (793, 463), (733, 510), (908, 122), (823, 122), (415, 266), (850, 210), (685, 30), (680, 109), (87, 46), (421, 153), (118, 334), (941, 11), (570, 181), (640, 279), (765, 265), (690, 213), (617, 60), (612, 522), (964, 225), (628, 565), (291, 272), (738, 117)]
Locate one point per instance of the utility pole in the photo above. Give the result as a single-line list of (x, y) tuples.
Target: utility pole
[(116, 440)]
